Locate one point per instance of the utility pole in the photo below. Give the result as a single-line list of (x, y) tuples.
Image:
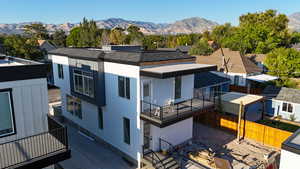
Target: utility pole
[(241, 114)]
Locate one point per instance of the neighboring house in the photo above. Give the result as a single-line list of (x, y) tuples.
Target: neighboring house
[(209, 85), (259, 60), (213, 44), (283, 101), (296, 46), (29, 138), (46, 46), (129, 99), (183, 49), (231, 64)]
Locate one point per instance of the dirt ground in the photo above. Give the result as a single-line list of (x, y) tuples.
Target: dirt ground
[(244, 155)]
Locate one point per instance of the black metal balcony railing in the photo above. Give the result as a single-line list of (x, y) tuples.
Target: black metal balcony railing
[(23, 151), (173, 111)]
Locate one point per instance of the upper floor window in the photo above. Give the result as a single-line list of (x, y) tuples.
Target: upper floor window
[(74, 106), (177, 87), (124, 87), (83, 82), (6, 114), (287, 107), (236, 80), (60, 71)]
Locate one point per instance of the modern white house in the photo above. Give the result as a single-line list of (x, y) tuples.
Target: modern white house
[(290, 152), (28, 137), (129, 98)]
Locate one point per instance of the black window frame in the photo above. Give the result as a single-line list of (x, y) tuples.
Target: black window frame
[(60, 71), (126, 130), (124, 87), (9, 90), (287, 107), (178, 87), (100, 119)]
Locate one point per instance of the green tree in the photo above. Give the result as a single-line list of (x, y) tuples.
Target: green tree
[(59, 38), (117, 36), (201, 48), (105, 37), (86, 34), (20, 46), (284, 62), (151, 42), (74, 37), (37, 31), (184, 40), (134, 36)]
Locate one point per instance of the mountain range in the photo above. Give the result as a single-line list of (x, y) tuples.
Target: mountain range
[(189, 25), (295, 21)]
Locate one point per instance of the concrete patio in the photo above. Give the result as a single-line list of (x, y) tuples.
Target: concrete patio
[(88, 154)]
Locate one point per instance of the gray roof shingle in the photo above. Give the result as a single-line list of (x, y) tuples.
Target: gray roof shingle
[(283, 93), (208, 79)]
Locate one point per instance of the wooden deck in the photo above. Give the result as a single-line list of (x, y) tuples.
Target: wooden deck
[(179, 110), (33, 148)]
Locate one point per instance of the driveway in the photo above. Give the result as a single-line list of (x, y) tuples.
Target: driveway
[(88, 154)]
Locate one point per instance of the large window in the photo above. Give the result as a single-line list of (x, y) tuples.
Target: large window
[(74, 106), (60, 71), (177, 87), (6, 114), (287, 107), (124, 87), (126, 128), (83, 82)]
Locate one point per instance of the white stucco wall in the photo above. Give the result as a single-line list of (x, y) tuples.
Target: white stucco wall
[(63, 84), (163, 90), (289, 160), (30, 104), (175, 134), (117, 107), (277, 107)]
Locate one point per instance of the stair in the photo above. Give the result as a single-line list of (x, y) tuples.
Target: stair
[(167, 162), (170, 163)]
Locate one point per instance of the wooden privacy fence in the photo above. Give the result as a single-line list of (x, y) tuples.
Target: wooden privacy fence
[(258, 132), (243, 89)]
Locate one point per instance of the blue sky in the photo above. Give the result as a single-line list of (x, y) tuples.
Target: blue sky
[(158, 11)]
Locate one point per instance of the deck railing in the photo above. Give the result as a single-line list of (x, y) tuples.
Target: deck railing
[(174, 110), (35, 147)]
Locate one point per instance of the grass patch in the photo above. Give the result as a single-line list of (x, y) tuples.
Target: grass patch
[(279, 125)]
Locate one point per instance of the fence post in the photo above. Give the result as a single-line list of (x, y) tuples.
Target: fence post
[(241, 110)]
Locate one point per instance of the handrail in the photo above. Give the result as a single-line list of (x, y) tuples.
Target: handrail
[(160, 112), (159, 160), (173, 149)]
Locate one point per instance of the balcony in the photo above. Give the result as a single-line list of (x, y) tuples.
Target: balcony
[(36, 151), (168, 114)]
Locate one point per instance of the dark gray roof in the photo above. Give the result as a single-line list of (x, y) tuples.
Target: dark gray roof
[(208, 79), (283, 93), (127, 57), (81, 53)]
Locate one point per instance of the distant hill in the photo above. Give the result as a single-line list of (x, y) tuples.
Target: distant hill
[(189, 25), (295, 21)]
